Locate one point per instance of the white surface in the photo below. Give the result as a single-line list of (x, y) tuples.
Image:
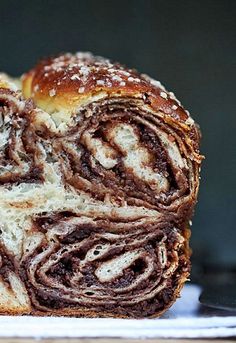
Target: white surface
[(182, 321)]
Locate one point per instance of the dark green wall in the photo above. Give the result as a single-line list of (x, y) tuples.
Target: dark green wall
[(189, 45)]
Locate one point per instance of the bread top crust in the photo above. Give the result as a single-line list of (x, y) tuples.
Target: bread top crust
[(68, 82)]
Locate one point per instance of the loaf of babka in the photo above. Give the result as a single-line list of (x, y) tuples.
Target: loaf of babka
[(99, 175)]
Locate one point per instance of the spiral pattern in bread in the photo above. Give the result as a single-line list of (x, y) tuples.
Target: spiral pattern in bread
[(100, 179)]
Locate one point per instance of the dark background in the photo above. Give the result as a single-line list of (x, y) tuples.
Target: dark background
[(188, 45)]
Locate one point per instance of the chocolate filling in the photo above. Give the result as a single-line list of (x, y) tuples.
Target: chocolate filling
[(71, 277), (18, 149), (121, 182)]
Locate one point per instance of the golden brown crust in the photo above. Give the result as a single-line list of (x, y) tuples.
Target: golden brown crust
[(68, 80)]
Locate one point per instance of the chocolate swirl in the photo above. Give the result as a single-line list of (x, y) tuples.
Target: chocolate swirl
[(17, 151), (98, 184), (100, 266), (121, 152)]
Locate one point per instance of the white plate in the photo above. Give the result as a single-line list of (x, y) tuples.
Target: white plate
[(181, 321)]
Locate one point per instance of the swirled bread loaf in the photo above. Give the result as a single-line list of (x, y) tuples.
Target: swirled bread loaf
[(99, 175)]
